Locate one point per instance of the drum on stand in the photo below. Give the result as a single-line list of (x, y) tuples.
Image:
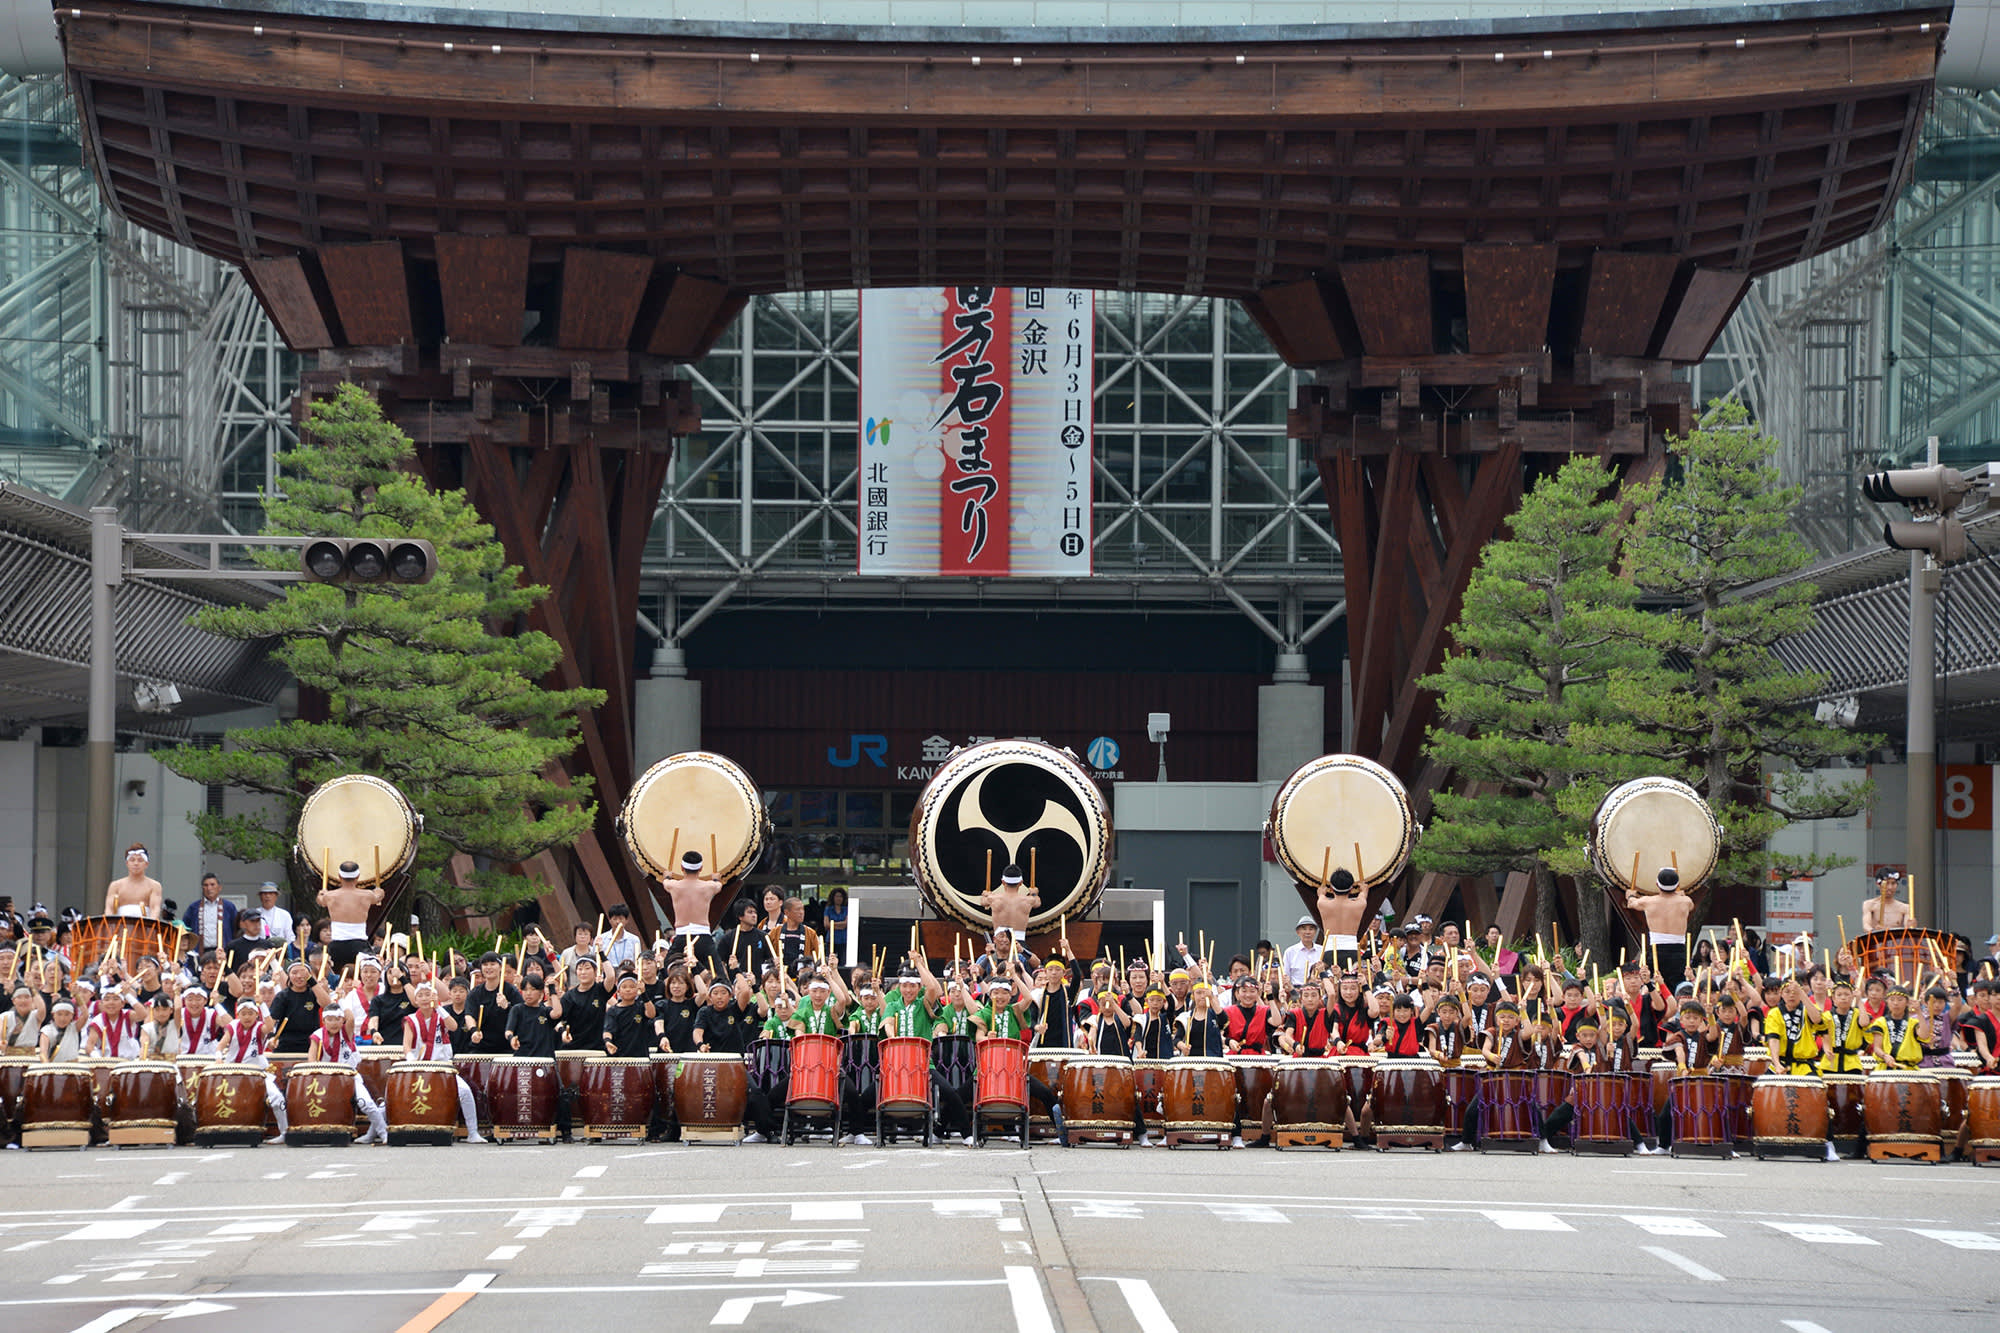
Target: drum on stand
[(360, 818), (815, 1080), (616, 1095), (100, 1067), (56, 1105), (1342, 812), (125, 937), (1903, 1110), (12, 1070), (1146, 1087), (190, 1068), (1954, 1088), (476, 1068), (1788, 1116), (1310, 1099), (371, 1069), (229, 1106), (769, 1062), (711, 1092), (1603, 1101), (1507, 1112), (319, 1103), (1702, 1106), (1461, 1086), (905, 1068), (569, 1069), (1002, 1088), (1905, 951), (1409, 1104), (1099, 1096), (1552, 1089), (1256, 1076), (523, 1092), (1845, 1122), (1646, 824), (695, 801), (860, 1070), (142, 1103), (1359, 1072), (1198, 1102), (954, 1063), (1660, 1071), (1982, 1120), (422, 1103), (1045, 1066)]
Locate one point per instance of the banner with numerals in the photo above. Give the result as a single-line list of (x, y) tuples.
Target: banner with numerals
[(975, 431)]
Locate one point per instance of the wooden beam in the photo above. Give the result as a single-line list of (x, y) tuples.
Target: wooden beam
[(1308, 320), (1507, 294), (293, 300), (1391, 301), (371, 293), (601, 293), (1388, 593), (1622, 304), (686, 311), (483, 281), (1704, 300)]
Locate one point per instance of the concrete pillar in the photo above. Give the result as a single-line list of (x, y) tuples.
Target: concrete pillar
[(666, 714), (1291, 720)]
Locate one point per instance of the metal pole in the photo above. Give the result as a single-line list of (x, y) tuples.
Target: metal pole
[(1920, 749), (107, 542)]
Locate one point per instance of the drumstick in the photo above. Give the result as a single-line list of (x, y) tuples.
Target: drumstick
[(1635, 872), (1325, 867), (378, 863), (714, 859), (1673, 860), (1359, 878), (988, 886), (673, 851), (325, 868), (1034, 854)]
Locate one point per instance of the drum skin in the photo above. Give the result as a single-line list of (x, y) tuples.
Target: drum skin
[(422, 1102), (144, 1094), (1507, 1105), (127, 936), (1256, 1076), (1335, 808), (522, 1090), (1310, 1096), (616, 1096), (1012, 801), (1098, 1092), (229, 1104), (1003, 1074), (1844, 1112), (815, 1080), (56, 1097), (711, 1091), (319, 1102), (1903, 1106), (1198, 1095), (1653, 822), (352, 818), (1409, 1097), (1982, 1114), (702, 795), (1701, 1108), (1788, 1110), (905, 1064)]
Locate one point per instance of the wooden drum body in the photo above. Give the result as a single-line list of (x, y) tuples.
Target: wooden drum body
[(1604, 1101), (711, 1092), (56, 1104), (229, 1106), (814, 1088), (1845, 1122), (1954, 1089), (1310, 1099), (371, 1072), (142, 1105), (127, 936), (695, 801), (1099, 1096), (477, 1071), (1198, 1098), (1788, 1116), (1507, 1113), (1982, 1120), (422, 1102), (1359, 1073), (360, 818), (1905, 950), (1409, 1104), (617, 1097), (13, 1068), (1648, 823), (1701, 1106), (1256, 1076), (1342, 812), (319, 1103), (905, 1065), (523, 1091), (1461, 1086), (1903, 1110)]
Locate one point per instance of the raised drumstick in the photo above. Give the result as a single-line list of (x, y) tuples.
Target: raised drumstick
[(714, 860), (378, 863), (1326, 867), (674, 851)]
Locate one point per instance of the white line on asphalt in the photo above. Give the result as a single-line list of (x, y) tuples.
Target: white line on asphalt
[(111, 1319), (863, 1166), (1146, 1307), (503, 1254), (1803, 1326), (487, 1204), (172, 1178), (1961, 1240), (826, 1212), (126, 1204), (572, 1192), (590, 1172), (1024, 1289), (1672, 1226), (1669, 1171), (1010, 1224), (609, 1289), (532, 1233), (26, 1245), (112, 1230), (776, 1231), (651, 1152), (1682, 1262), (1517, 1221), (668, 1214), (1821, 1234)]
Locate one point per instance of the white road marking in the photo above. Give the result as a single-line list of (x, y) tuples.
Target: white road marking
[(1819, 1233), (1682, 1262), (130, 1275), (1147, 1311), (331, 1173), (1024, 1289), (503, 1254), (398, 1221), (590, 1172), (113, 1230), (966, 1207), (1245, 1212), (737, 1308), (1961, 1240), (572, 1192), (26, 1245), (1509, 1220), (256, 1226), (1100, 1210), (777, 1231), (1672, 1226), (1803, 1326), (545, 1218), (826, 1212), (172, 1178), (63, 1279), (276, 1175), (532, 1233), (1010, 1224), (127, 1204), (1020, 1247), (748, 1268), (863, 1166), (673, 1213)]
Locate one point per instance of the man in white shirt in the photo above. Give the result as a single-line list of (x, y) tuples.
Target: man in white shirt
[(277, 921), (1299, 959)]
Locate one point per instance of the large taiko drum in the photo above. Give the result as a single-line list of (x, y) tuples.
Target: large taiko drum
[(1982, 1120), (905, 1064), (373, 1067), (1409, 1103), (1359, 1072), (1906, 951), (1646, 824), (1003, 1075), (1045, 1066), (56, 1105), (569, 1068), (360, 818), (1256, 1076), (1342, 812), (1098, 1094), (815, 1081), (229, 1106), (616, 1095), (1660, 1072), (125, 937), (476, 1068), (319, 1104), (1310, 1099), (1461, 1086), (1011, 802), (1603, 1101), (422, 1102), (1507, 1113), (1903, 1110), (523, 1091), (1198, 1097), (142, 1104), (1845, 1119), (711, 1090), (695, 801), (12, 1070), (769, 1062), (1701, 1106), (1788, 1116)]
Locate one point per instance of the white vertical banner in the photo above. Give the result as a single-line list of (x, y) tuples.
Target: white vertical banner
[(976, 431)]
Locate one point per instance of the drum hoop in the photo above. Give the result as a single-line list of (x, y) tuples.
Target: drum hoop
[(723, 765), (1305, 874), (1620, 796), (413, 827)]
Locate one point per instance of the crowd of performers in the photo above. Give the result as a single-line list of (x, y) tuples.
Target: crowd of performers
[(765, 980)]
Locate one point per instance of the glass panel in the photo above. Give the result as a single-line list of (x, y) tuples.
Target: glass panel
[(819, 809), (864, 809), (782, 806)]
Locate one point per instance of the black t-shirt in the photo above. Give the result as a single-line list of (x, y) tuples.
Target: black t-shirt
[(388, 1010), (296, 1016), (727, 1029), (583, 1017), (1057, 1008), (745, 951), (240, 949), (532, 1026), (627, 1030), (679, 1016), (461, 1036), (488, 1019)]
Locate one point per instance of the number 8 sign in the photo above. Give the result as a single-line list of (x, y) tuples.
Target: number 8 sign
[(1965, 796)]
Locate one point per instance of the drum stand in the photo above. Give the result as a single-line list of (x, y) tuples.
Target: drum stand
[(895, 1117), (809, 1122), (1015, 1117), (1720, 1152), (1200, 1138), (1914, 1150)]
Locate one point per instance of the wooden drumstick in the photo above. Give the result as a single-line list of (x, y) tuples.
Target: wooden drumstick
[(1034, 879), (714, 859), (1673, 859), (989, 870), (674, 852), (1635, 872), (1326, 867), (1359, 878), (325, 868), (378, 863)]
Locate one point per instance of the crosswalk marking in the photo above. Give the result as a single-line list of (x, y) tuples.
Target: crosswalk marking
[(1246, 1212), (257, 1226), (962, 1208), (756, 1267), (826, 1212), (676, 1214), (398, 1221), (545, 1218), (1961, 1240), (1820, 1233), (1672, 1226), (1515, 1221), (108, 1230)]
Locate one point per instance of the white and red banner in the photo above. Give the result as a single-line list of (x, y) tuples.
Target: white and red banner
[(975, 431)]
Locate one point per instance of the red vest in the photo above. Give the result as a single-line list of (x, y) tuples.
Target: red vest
[(1251, 1031)]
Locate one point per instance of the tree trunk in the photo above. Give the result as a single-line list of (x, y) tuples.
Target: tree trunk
[(1593, 923), (1546, 902)]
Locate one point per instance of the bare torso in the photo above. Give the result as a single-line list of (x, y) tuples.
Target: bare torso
[(143, 893), (692, 897), (1340, 913), (1011, 908), (349, 906), (1665, 913), (1886, 914)]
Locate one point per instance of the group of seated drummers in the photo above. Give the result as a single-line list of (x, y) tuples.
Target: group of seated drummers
[(1411, 1041)]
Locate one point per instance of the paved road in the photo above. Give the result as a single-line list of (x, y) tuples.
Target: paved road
[(993, 1240)]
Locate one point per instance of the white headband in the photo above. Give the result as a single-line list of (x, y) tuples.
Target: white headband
[(139, 852)]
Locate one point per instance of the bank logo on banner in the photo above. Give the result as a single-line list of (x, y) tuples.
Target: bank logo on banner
[(976, 431)]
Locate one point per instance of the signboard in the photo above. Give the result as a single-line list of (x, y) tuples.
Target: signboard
[(975, 432), (1788, 910), (1965, 796)]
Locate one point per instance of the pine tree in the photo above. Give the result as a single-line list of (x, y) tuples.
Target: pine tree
[(433, 687), (1710, 702), (1534, 649)]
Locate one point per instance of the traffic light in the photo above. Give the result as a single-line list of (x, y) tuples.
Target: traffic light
[(369, 560), (1934, 495), (1944, 538)]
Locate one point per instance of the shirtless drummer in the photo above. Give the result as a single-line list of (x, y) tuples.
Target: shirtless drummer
[(1342, 904), (136, 895), (1666, 914), (1885, 911), (1012, 903), (693, 897), (347, 905)]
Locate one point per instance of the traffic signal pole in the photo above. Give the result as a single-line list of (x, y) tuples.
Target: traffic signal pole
[(1920, 744)]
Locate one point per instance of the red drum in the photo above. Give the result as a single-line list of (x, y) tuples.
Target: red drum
[(815, 1078), (1903, 1110), (372, 1069), (523, 1091), (127, 936), (100, 1067), (12, 1067), (1146, 1086), (617, 1097), (1742, 1093), (711, 1091), (1788, 1116), (1199, 1097), (1098, 1094), (569, 1068), (229, 1106), (477, 1071), (1701, 1110), (1256, 1076), (1658, 1068), (143, 1103), (1310, 1099), (1461, 1085), (906, 1073), (1003, 1075), (422, 1102), (1507, 1106), (281, 1068), (56, 1102), (1982, 1120), (1603, 1101), (1845, 1123), (1409, 1104), (319, 1103), (1552, 1088), (1954, 1085)]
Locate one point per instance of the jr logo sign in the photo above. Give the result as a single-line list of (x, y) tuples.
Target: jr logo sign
[(875, 748)]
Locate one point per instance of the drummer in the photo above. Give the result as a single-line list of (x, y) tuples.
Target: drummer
[(1979, 1029), (201, 1023), (1341, 904), (1051, 1011), (334, 1044), (692, 896), (1005, 1017), (1885, 911), (116, 1032), (296, 1009), (1844, 1034), (61, 1038), (1013, 903), (487, 1003), (631, 1024), (1792, 1029), (1200, 1033), (1309, 1030), (347, 904), (21, 1025), (136, 895), (1666, 914), (427, 1039), (744, 947)]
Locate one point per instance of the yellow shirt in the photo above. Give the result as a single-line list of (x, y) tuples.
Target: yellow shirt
[(1843, 1051), (1907, 1053), (1797, 1057)]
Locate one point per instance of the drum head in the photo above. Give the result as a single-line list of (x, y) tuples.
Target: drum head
[(682, 801), (1654, 822), (1020, 803), (1343, 812), (350, 818)]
